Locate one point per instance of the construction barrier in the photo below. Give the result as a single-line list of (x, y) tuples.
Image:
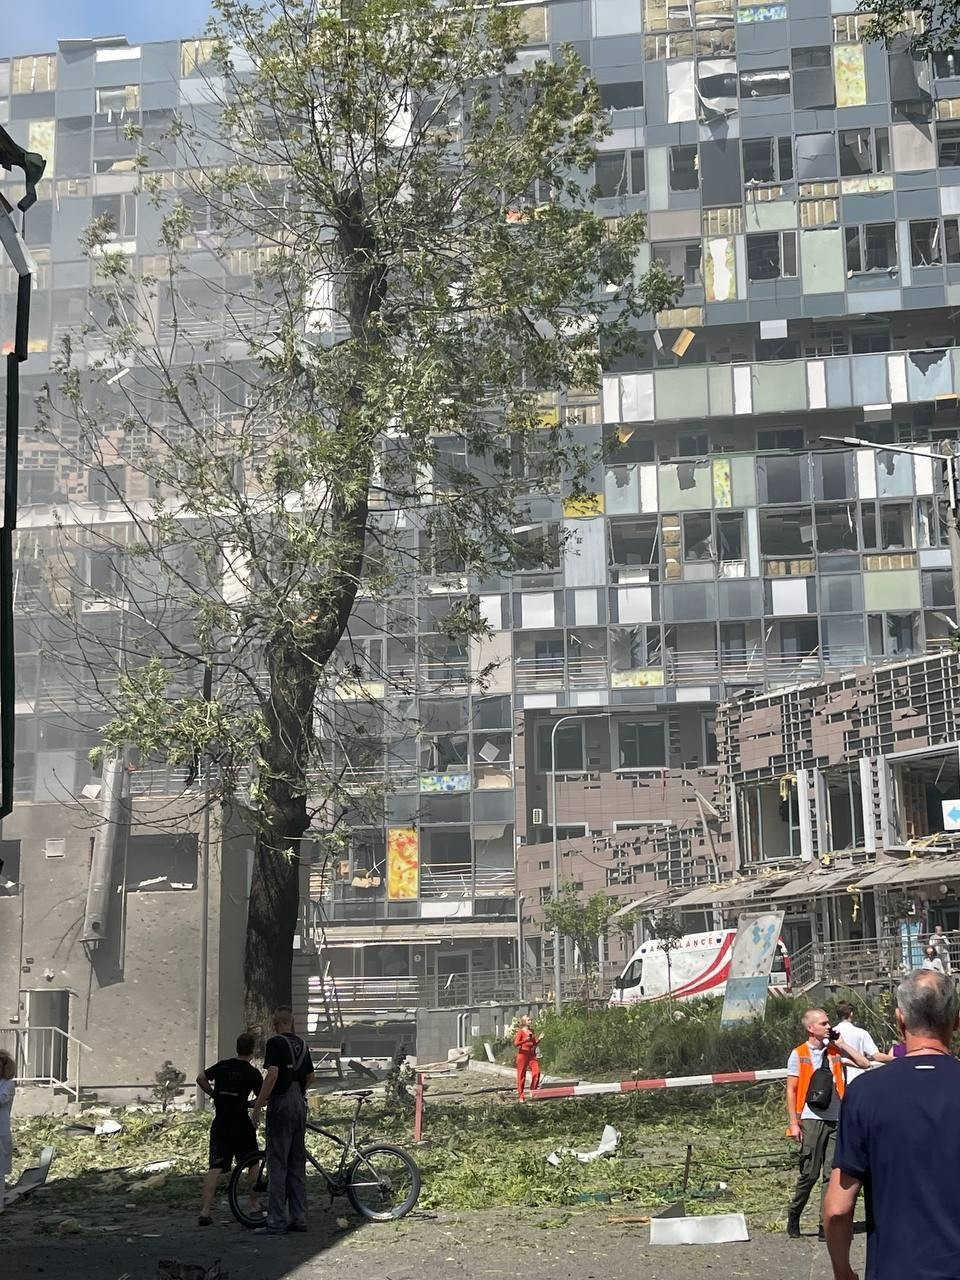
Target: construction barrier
[(622, 1086), (669, 1082)]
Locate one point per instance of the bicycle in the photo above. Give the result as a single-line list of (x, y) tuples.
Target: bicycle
[(380, 1180)]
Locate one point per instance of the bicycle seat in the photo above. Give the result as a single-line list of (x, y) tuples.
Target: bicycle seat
[(357, 1093)]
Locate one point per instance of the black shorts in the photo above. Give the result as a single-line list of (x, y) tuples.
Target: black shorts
[(231, 1140)]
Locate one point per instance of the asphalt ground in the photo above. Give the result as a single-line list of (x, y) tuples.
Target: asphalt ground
[(537, 1244)]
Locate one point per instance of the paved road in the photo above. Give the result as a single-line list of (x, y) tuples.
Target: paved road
[(537, 1244)]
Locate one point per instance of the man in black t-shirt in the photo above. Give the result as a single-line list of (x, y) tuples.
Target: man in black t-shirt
[(231, 1083), (289, 1071), (899, 1138)]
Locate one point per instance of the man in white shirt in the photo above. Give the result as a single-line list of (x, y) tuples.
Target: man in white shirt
[(855, 1036), (941, 944)]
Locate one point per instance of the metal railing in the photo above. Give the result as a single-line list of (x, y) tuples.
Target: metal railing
[(47, 1056), (853, 960)]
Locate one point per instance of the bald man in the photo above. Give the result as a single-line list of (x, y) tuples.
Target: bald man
[(813, 1113)]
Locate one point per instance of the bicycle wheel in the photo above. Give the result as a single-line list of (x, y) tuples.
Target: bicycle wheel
[(383, 1182), (247, 1191)]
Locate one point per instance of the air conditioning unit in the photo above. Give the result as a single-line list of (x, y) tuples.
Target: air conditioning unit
[(537, 817)]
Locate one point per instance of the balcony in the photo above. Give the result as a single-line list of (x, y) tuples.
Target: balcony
[(573, 673)]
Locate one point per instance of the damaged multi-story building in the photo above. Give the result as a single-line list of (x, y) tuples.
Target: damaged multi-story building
[(800, 182)]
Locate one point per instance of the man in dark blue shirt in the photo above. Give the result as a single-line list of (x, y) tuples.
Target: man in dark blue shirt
[(892, 1123)]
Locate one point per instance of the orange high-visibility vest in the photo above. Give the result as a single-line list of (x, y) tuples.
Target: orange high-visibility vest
[(806, 1072)]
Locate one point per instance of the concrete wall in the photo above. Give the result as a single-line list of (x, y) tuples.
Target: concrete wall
[(134, 999)]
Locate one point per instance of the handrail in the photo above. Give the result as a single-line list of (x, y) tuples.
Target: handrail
[(54, 1046)]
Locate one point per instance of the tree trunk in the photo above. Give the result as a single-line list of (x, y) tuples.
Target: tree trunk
[(271, 926)]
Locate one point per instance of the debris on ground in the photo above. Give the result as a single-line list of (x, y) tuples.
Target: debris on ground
[(718, 1228), (69, 1227), (107, 1126), (609, 1141), (31, 1178), (362, 1070), (174, 1269)]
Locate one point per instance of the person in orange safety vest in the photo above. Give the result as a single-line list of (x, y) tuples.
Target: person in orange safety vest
[(813, 1120), (526, 1041)]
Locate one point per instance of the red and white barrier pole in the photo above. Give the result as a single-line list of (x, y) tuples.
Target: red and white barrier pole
[(668, 1082)]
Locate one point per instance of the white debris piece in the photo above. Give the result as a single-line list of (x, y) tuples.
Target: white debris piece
[(609, 1141), (720, 1228), (107, 1126)]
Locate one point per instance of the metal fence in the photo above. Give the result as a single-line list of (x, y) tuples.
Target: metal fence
[(46, 1056)]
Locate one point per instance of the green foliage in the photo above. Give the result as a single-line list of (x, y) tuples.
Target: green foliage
[(670, 1038), (169, 1080), (584, 923), (929, 25)]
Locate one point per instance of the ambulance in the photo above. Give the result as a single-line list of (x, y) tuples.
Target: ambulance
[(699, 965)]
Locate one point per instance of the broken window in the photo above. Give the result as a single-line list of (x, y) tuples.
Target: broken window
[(770, 820), (537, 546), (816, 157), (864, 151), (773, 83), (946, 64), (813, 84), (697, 536), (844, 809), (784, 477), (780, 438), (772, 255), (625, 95), (568, 740), (896, 526), (951, 240), (837, 527), (620, 173), (767, 159), (684, 174), (909, 74), (634, 541), (871, 247), (160, 863), (729, 535), (693, 445), (642, 744), (786, 533), (681, 259), (926, 246), (948, 143), (893, 634)]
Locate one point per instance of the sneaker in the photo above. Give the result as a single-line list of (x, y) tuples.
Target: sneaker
[(204, 1220), (269, 1231), (793, 1227)]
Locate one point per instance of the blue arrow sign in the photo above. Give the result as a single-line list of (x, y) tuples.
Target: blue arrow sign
[(951, 814)]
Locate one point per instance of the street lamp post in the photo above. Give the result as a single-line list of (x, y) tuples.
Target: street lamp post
[(953, 524), (555, 874)]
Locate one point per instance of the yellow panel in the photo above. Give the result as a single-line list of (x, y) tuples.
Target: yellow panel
[(403, 864), (647, 678), (372, 690), (720, 271), (590, 504), (849, 75), (40, 137), (722, 492), (867, 183)]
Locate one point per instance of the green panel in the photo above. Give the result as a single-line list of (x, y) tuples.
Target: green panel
[(894, 589), (657, 169), (821, 261), (720, 380), (744, 481), (685, 486), (770, 215), (681, 393), (777, 387)]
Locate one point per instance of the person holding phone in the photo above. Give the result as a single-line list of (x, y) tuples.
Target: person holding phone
[(815, 1087)]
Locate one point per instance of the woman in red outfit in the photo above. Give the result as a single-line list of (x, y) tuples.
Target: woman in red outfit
[(526, 1043)]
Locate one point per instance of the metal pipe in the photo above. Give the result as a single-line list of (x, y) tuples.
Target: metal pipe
[(200, 1100)]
